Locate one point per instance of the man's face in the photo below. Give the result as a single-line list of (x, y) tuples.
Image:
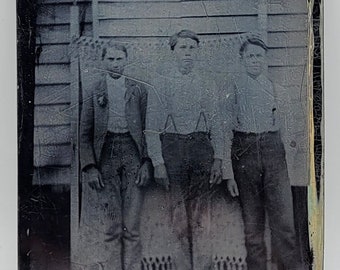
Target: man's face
[(115, 61), (254, 60), (186, 52)]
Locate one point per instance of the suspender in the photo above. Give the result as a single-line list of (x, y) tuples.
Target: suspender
[(171, 118)]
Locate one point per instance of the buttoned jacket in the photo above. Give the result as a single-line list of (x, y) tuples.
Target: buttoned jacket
[(95, 113)]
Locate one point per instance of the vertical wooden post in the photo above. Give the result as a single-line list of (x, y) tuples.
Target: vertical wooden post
[(95, 19), (75, 99), (263, 22), (263, 19)]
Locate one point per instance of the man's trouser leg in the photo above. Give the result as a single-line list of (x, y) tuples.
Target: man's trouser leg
[(132, 199), (248, 175), (262, 157), (199, 199), (279, 201), (176, 164), (102, 214)]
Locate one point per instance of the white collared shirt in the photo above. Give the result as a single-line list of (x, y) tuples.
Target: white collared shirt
[(191, 100), (255, 108), (116, 96)]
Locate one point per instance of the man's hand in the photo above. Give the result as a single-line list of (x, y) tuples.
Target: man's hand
[(93, 178), (232, 188), (161, 176), (216, 172), (144, 174)]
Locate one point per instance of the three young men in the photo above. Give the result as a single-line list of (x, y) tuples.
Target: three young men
[(185, 121)]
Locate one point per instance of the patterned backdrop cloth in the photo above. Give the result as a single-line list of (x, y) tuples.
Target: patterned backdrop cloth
[(225, 241)]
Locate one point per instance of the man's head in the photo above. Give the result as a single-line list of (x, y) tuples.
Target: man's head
[(253, 56), (184, 44), (115, 59)]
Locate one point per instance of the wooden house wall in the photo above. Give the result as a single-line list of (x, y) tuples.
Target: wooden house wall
[(52, 146), (149, 21)]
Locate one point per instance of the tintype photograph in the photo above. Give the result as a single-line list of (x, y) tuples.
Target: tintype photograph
[(169, 134)]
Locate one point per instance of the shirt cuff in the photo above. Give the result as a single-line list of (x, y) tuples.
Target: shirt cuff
[(157, 161), (227, 170)]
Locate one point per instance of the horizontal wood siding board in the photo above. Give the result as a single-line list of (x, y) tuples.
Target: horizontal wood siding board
[(166, 27), (53, 54), (287, 23), (277, 40), (52, 155), (52, 135), (165, 38), (287, 76), (56, 14), (51, 94), (52, 73), (176, 9), (288, 7), (58, 34), (297, 93), (58, 2), (52, 175), (289, 39), (138, 1), (52, 115), (287, 56), (53, 34)]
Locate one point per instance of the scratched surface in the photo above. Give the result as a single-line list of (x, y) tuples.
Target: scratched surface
[(144, 27)]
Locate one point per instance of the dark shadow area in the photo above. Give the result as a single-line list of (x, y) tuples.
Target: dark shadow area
[(43, 214)]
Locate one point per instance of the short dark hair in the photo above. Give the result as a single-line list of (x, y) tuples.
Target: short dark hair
[(253, 41), (182, 34), (115, 46)]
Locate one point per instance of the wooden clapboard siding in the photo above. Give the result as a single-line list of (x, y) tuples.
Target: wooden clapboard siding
[(297, 94), (163, 18), (51, 115), (46, 135), (51, 175), (287, 23), (60, 14), (58, 34), (52, 94), (166, 27), (152, 21), (188, 9), (287, 56), (54, 54), (287, 39), (58, 2), (287, 75), (49, 74), (52, 129), (287, 7), (52, 155)]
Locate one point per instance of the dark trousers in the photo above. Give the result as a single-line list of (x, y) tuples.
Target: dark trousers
[(261, 174), (188, 159), (112, 215)]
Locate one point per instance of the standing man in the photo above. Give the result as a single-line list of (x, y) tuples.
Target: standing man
[(185, 143), (114, 165), (262, 133)]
